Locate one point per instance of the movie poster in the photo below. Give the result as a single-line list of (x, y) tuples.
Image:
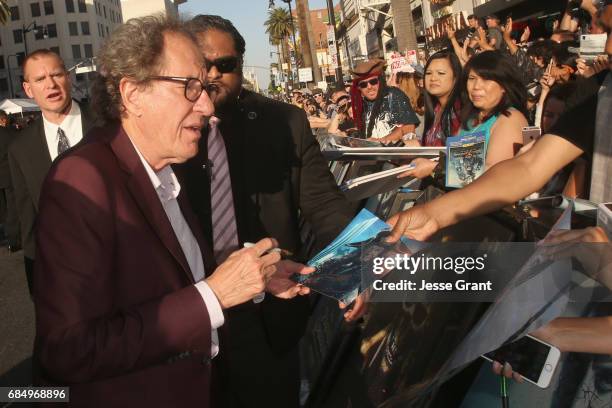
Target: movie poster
[(466, 156)]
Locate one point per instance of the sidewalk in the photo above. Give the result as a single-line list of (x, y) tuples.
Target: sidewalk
[(16, 321)]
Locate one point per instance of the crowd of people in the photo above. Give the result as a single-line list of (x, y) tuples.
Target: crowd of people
[(149, 217), (499, 81), (494, 80)]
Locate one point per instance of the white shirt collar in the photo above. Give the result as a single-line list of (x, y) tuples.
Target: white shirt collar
[(73, 115), (72, 126), (164, 181)]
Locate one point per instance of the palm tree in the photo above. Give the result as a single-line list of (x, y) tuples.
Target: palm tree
[(279, 27), (279, 23), (5, 12)]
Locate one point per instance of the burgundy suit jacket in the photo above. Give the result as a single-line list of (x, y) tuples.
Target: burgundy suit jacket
[(118, 318)]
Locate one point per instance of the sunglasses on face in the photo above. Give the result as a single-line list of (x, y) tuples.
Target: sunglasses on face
[(364, 84), (224, 65)]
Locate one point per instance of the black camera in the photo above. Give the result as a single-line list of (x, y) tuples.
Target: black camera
[(574, 4)]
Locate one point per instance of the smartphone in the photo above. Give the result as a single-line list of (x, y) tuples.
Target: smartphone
[(550, 65), (592, 45), (532, 359), (531, 133)]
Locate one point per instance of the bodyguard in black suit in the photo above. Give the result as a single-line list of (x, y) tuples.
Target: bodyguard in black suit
[(277, 174), (31, 153)]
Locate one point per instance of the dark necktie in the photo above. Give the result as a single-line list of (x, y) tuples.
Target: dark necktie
[(225, 232), (62, 142)]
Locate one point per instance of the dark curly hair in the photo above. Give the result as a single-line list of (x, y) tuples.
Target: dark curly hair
[(133, 51), (499, 67)]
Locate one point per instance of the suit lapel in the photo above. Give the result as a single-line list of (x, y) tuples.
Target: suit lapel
[(38, 153), (146, 198)]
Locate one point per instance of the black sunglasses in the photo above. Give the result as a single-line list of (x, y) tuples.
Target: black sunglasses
[(364, 84), (224, 65), (193, 86)]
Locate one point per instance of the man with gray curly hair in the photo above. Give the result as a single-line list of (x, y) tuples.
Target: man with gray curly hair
[(128, 295)]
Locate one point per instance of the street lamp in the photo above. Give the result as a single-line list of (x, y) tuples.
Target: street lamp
[(32, 27)]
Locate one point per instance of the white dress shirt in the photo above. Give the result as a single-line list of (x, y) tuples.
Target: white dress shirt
[(168, 188), (71, 125)]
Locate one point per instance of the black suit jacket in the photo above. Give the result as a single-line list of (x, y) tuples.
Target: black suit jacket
[(278, 174), (6, 134), (7, 199), (29, 163)]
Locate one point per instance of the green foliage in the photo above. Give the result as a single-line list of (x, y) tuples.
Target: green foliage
[(278, 25)]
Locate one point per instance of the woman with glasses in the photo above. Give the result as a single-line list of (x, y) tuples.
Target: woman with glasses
[(382, 113)]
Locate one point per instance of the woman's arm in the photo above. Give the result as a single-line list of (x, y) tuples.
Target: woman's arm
[(317, 122), (335, 123), (450, 31), (507, 33), (506, 136)]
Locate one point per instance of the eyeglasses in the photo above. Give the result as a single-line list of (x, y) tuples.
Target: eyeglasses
[(372, 81), (224, 65), (193, 86)]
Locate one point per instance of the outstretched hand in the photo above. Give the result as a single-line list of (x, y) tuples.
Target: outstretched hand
[(279, 283), (450, 31), (526, 34), (359, 308), (507, 27), (596, 66), (415, 223)]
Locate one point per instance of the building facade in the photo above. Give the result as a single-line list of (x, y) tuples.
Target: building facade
[(139, 8), (75, 29), (368, 27), (319, 20)]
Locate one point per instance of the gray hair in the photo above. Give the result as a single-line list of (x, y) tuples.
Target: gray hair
[(134, 51)]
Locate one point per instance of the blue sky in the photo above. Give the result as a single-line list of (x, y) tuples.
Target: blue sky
[(248, 16)]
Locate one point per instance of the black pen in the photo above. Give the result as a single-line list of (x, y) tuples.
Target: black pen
[(504, 392)]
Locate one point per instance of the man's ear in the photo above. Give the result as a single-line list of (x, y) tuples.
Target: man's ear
[(131, 96), (27, 88)]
